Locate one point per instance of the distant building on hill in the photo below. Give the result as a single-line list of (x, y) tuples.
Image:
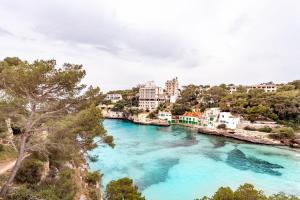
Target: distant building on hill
[(113, 97), (150, 96), (267, 87), (172, 89)]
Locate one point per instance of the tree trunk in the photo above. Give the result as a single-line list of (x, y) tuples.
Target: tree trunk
[(16, 167)]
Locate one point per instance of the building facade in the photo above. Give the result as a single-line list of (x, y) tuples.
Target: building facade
[(172, 89), (210, 117), (165, 116), (150, 96), (267, 87), (228, 119), (190, 118), (113, 97)]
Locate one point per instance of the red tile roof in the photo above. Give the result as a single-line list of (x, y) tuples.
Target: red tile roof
[(192, 114)]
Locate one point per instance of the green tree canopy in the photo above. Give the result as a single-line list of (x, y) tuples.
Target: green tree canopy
[(49, 105), (123, 189)]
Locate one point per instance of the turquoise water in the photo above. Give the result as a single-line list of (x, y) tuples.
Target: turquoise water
[(173, 163)]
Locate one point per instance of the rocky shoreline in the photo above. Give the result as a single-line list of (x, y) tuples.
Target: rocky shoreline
[(254, 137)]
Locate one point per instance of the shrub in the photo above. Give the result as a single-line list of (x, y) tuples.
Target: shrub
[(265, 129), (93, 178), (249, 128), (21, 193), (122, 189), (94, 193), (1, 147), (29, 172), (283, 133), (65, 187), (221, 126), (152, 115)]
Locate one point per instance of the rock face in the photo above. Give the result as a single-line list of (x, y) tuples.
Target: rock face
[(238, 159), (243, 135)]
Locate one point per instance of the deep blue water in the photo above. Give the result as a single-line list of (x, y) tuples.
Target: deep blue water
[(173, 163)]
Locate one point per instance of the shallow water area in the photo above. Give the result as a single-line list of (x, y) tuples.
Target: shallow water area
[(174, 163)]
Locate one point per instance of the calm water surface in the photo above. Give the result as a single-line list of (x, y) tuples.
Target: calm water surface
[(173, 163)]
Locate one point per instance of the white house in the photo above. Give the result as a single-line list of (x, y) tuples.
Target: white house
[(228, 119), (165, 116), (113, 97)]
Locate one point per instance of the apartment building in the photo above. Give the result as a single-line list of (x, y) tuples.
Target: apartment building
[(150, 96), (171, 89)]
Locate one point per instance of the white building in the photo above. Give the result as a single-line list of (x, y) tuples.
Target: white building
[(150, 96), (210, 117), (165, 116), (228, 119), (113, 97), (267, 87)]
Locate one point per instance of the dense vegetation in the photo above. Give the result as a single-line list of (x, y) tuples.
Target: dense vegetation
[(123, 189), (51, 120), (282, 106), (246, 192)]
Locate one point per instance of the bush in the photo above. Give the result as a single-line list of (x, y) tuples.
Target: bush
[(221, 126), (152, 115), (249, 128), (30, 171), (94, 193), (122, 189), (283, 133), (93, 178), (1, 147), (265, 129)]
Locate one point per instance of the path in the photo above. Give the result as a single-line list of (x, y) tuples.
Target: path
[(4, 167)]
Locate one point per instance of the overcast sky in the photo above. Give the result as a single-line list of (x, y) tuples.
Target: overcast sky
[(125, 42)]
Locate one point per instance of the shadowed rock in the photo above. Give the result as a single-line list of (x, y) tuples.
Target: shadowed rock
[(237, 159)]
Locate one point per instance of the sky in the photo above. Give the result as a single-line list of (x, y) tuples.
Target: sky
[(123, 43)]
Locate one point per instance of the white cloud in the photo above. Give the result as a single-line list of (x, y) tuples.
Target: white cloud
[(122, 43)]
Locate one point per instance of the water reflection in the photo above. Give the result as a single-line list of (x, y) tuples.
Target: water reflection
[(237, 159)]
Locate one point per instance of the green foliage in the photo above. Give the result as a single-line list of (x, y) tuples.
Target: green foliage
[(248, 192), (152, 115), (265, 129), (62, 188), (129, 96), (249, 128), (122, 189), (93, 178), (282, 196), (21, 193), (119, 106), (223, 193), (94, 193), (7, 152), (285, 132), (30, 171), (180, 109)]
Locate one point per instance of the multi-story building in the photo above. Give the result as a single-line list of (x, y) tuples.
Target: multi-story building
[(171, 89), (150, 96), (113, 97)]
